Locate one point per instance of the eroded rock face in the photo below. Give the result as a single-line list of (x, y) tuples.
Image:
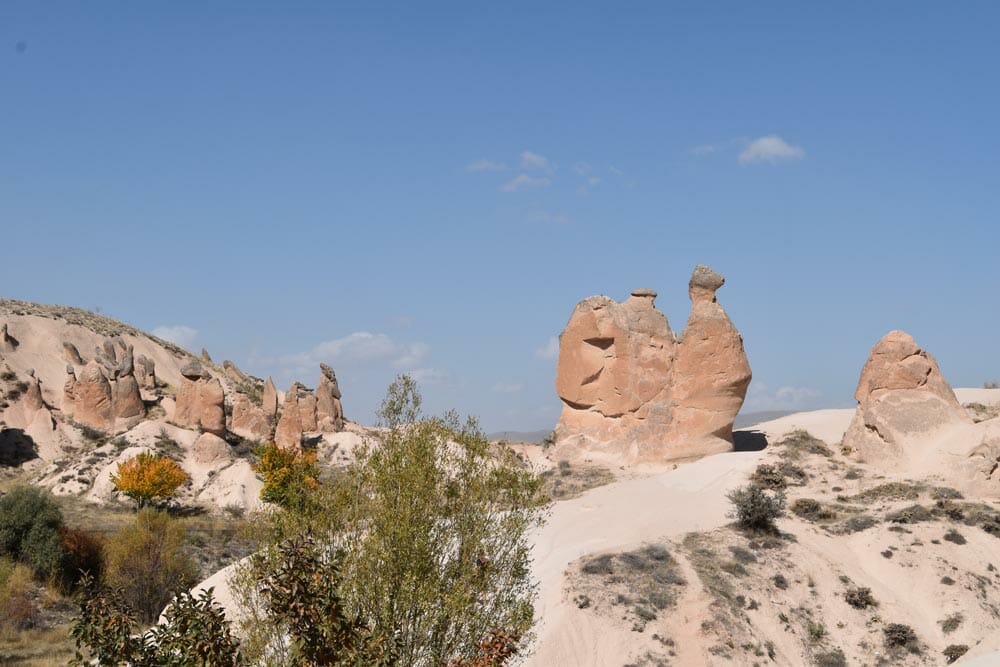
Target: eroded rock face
[(200, 401), (901, 396), (634, 393), (329, 411), (270, 403), (248, 419), (87, 397), (298, 416), (145, 372)]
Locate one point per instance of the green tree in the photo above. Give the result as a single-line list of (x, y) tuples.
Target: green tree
[(289, 475), (30, 525), (431, 526), (147, 563)]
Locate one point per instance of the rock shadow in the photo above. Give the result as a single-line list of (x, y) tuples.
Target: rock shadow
[(749, 441), (16, 447)]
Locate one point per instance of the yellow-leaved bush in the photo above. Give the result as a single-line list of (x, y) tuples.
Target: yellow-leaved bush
[(149, 476)]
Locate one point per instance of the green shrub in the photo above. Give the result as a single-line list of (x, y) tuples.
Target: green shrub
[(30, 524), (860, 598), (146, 561), (955, 651), (754, 508)]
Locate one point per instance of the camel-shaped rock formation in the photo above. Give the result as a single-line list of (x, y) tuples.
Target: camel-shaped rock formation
[(634, 393)]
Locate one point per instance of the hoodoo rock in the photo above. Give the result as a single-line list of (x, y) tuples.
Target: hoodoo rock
[(7, 342), (711, 372), (634, 393), (248, 419), (329, 411), (200, 400), (270, 405), (145, 372), (298, 416), (902, 397), (72, 354), (87, 397)]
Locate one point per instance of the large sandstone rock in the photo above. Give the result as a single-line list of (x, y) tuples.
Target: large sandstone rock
[(902, 399), (105, 393), (634, 393), (7, 342), (87, 397), (145, 372), (270, 404), (248, 419), (298, 416), (329, 411), (200, 401), (711, 371)]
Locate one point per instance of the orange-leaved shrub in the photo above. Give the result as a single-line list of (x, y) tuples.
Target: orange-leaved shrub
[(149, 476), (289, 474)]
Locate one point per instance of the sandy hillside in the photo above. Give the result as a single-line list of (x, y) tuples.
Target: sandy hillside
[(649, 571)]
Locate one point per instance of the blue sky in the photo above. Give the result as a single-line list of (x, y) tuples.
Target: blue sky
[(432, 188)]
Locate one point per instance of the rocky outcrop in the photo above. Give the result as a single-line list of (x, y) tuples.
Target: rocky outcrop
[(298, 416), (270, 400), (902, 398), (72, 354), (634, 393), (248, 419), (104, 393), (87, 396), (7, 342), (711, 372), (234, 373), (145, 372), (329, 411), (211, 449), (200, 400)]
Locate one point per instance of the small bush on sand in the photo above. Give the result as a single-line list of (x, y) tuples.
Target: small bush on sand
[(30, 525), (756, 509), (955, 651), (898, 636), (951, 623), (860, 598)]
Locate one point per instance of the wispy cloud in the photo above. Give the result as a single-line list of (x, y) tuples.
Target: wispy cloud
[(508, 387), (771, 149), (531, 161), (525, 182), (549, 217), (485, 165), (179, 334), (549, 351), (430, 376), (360, 349), (762, 397)]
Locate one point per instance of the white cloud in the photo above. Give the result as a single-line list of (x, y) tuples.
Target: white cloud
[(485, 165), (361, 348), (539, 215), (772, 149), (178, 334), (430, 375), (508, 387), (524, 182), (549, 351), (761, 397), (534, 161)]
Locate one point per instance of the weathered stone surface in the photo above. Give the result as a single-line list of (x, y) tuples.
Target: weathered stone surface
[(210, 449), (7, 342), (200, 402), (205, 356), (72, 354), (270, 403), (234, 373), (901, 396), (298, 416), (711, 372), (193, 370), (145, 372), (248, 419), (633, 393), (87, 397), (329, 411)]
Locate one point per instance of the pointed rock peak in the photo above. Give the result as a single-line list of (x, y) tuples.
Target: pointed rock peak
[(704, 283)]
